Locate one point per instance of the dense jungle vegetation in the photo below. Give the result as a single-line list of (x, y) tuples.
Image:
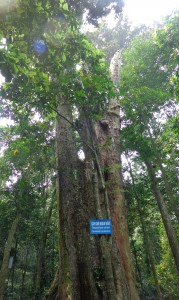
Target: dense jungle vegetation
[(94, 134)]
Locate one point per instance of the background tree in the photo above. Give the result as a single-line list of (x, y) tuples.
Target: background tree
[(149, 104)]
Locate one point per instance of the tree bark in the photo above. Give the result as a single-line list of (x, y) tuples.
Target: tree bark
[(67, 193), (89, 190), (79, 252), (123, 272), (108, 138), (8, 246)]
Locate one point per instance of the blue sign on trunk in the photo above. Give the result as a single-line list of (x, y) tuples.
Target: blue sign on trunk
[(100, 227)]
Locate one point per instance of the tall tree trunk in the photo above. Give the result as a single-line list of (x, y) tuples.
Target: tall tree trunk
[(8, 246), (67, 193), (79, 253), (89, 190), (164, 214), (108, 137), (121, 256)]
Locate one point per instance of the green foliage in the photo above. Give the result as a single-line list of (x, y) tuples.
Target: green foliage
[(27, 183), (144, 219), (149, 93), (42, 48), (45, 59), (167, 39), (143, 82), (168, 275), (98, 274), (113, 39)]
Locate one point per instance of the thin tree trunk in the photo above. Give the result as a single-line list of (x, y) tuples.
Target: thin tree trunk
[(23, 275), (137, 264), (13, 267), (149, 252), (42, 249), (168, 186), (147, 242), (150, 255), (8, 246), (52, 291), (164, 214)]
